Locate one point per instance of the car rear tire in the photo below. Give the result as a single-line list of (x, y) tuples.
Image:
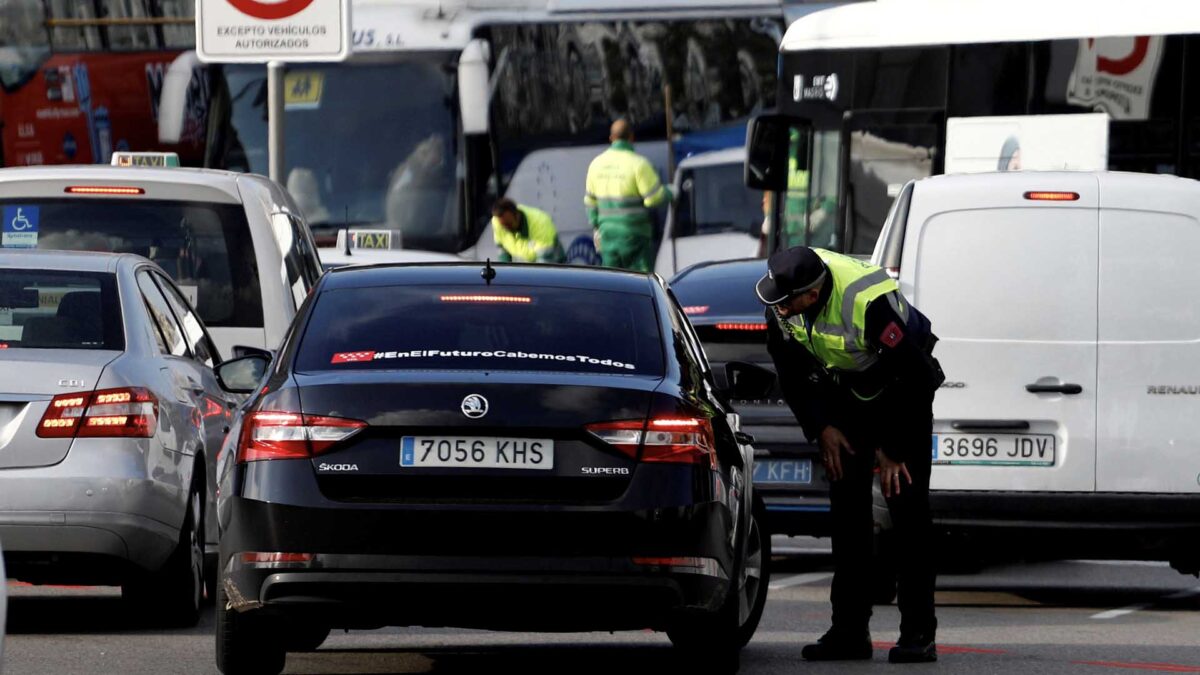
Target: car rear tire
[(727, 630), (247, 642), (173, 594)]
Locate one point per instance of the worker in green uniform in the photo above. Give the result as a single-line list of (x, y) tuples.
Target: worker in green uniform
[(622, 187), (525, 234)]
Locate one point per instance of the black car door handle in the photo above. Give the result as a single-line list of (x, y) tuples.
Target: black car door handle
[(1066, 388), (1007, 425), (743, 438)]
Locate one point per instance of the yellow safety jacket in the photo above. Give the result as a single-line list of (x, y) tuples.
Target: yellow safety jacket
[(621, 186), (535, 241), (837, 337)]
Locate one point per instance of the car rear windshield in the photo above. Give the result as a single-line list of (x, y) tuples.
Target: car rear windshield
[(720, 290), (466, 328), (205, 247), (43, 309)]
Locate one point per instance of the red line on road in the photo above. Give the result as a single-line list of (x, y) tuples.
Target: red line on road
[(1157, 667), (947, 649)]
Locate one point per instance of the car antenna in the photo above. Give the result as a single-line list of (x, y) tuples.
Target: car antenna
[(488, 272), (346, 222)]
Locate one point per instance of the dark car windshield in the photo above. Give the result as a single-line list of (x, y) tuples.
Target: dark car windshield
[(720, 290), (205, 247), (464, 328), (44, 309)]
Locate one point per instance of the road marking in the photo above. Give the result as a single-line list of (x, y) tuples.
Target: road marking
[(1158, 667), (800, 579), (1114, 613)]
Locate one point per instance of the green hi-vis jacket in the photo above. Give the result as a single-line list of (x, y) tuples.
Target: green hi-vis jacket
[(621, 186), (837, 337), (536, 240)]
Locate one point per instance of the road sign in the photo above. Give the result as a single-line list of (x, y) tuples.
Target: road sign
[(258, 31)]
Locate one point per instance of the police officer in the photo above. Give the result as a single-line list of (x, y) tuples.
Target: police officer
[(621, 188), (855, 364), (525, 234)]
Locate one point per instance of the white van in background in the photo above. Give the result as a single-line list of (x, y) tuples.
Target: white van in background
[(714, 215), (1070, 337)]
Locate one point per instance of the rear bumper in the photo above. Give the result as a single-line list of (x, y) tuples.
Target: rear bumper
[(100, 503), (544, 571), (1110, 525)]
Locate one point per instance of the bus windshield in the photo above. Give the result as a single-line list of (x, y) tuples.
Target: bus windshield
[(368, 144)]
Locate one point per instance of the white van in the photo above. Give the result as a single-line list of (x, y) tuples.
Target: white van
[(235, 243), (714, 216), (1070, 337)]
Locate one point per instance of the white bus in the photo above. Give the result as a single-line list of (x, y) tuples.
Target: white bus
[(874, 94), (441, 103)]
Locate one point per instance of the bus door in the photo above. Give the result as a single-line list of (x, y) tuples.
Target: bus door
[(882, 150)]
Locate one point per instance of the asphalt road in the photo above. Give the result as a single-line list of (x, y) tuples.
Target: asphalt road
[(1058, 617)]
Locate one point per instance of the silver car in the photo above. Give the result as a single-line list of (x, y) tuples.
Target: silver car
[(110, 422)]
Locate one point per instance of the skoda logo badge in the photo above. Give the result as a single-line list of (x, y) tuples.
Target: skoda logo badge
[(474, 406)]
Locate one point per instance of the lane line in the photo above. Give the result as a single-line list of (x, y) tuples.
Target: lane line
[(1115, 613), (799, 579), (1157, 667)]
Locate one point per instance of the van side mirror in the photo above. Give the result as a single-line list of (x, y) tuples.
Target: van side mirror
[(474, 87), (242, 375), (767, 148), (746, 381), (173, 99)]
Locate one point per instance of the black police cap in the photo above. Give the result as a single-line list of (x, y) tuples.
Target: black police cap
[(796, 270)]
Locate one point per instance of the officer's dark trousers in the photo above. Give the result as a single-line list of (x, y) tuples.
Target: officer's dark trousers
[(902, 423)]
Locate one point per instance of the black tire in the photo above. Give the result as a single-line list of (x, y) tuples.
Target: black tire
[(247, 642), (718, 636), (173, 595), (304, 637), (753, 588)]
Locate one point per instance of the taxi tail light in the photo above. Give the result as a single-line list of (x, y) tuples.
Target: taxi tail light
[(128, 412), (673, 440), (287, 435), (104, 190), (743, 326)]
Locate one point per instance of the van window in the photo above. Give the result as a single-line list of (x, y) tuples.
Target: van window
[(1009, 274), (205, 247), (459, 328), (1148, 277), (45, 309), (715, 199)]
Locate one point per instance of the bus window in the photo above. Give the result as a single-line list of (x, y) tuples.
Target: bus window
[(885, 153), (74, 38), (810, 203)]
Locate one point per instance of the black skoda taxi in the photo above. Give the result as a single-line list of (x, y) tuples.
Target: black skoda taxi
[(534, 448)]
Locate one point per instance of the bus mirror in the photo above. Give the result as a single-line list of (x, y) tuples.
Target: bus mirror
[(474, 90), (173, 99), (767, 153)]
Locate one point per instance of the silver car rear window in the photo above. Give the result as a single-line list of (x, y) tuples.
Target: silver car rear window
[(47, 309)]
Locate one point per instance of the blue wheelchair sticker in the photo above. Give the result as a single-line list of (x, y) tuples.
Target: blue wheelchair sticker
[(935, 456), (20, 227)]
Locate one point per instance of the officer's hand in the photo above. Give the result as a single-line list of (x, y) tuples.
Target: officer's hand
[(832, 443), (596, 239), (889, 474)]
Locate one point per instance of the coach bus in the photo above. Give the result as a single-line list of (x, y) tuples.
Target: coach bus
[(80, 79), (442, 103), (874, 94)]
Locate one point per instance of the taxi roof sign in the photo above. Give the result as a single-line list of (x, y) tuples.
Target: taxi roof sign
[(162, 159)]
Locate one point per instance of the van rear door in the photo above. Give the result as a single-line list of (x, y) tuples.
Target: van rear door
[(1149, 351), (1009, 283)]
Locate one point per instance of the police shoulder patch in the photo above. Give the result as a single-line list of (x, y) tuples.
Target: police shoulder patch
[(891, 336)]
